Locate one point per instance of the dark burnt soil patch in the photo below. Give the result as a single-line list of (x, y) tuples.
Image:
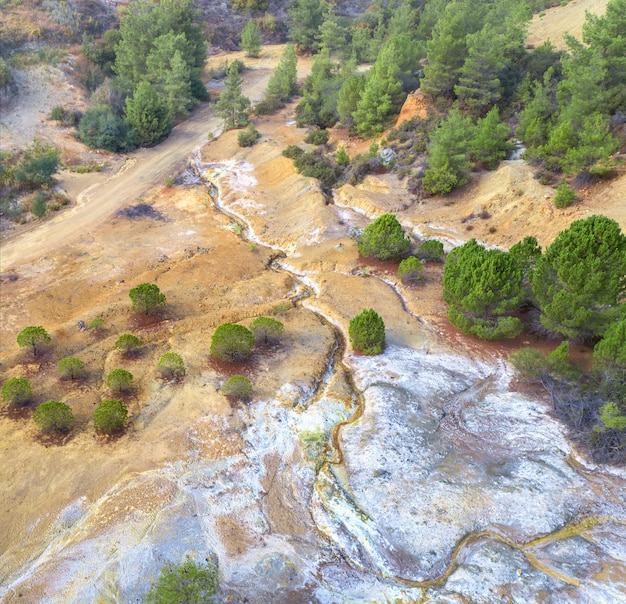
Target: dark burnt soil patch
[(138, 321), (248, 368), (140, 210), (55, 439)]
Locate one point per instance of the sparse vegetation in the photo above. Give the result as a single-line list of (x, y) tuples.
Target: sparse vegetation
[(189, 582)]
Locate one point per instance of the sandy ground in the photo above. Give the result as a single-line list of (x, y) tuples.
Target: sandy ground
[(82, 263), (552, 24)]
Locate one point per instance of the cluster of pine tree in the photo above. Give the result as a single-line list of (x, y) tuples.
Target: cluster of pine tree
[(154, 62), (468, 57)]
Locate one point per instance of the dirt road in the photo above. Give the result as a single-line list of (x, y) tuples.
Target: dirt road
[(145, 169)]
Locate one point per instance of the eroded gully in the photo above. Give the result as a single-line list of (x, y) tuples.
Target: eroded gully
[(332, 478)]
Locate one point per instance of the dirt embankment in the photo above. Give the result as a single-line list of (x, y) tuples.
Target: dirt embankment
[(569, 19)]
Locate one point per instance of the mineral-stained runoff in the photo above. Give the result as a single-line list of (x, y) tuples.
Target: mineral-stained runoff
[(416, 475)]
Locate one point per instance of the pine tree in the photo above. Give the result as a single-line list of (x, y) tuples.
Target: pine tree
[(490, 143), (580, 280), (448, 154), (231, 105), (149, 113), (481, 288), (251, 39), (305, 17)]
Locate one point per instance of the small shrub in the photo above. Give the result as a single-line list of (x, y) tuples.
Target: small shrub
[(411, 270), (186, 582), (281, 308), (96, 324), (110, 416), (232, 342), (342, 158), (530, 363), (39, 205), (293, 151), (431, 250), (237, 388), (367, 332), (383, 239), (171, 366), (317, 166), (101, 128), (248, 137), (267, 330), (127, 342), (16, 391), (53, 417), (119, 380), (33, 336), (565, 196), (317, 137), (268, 106), (71, 367)]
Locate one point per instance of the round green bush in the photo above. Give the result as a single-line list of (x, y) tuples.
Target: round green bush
[(127, 342), (16, 391), (119, 380), (53, 417), (110, 416), (367, 332), (267, 330), (565, 196), (383, 239), (232, 342), (171, 366), (145, 297), (411, 270), (237, 387), (71, 367), (317, 137), (431, 250)]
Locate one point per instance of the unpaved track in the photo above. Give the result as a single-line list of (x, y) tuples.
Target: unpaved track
[(145, 169)]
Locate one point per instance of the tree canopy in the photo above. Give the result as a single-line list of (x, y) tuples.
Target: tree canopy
[(16, 391), (33, 336), (54, 417), (367, 332), (384, 239), (481, 288), (145, 297), (232, 342), (580, 280)]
